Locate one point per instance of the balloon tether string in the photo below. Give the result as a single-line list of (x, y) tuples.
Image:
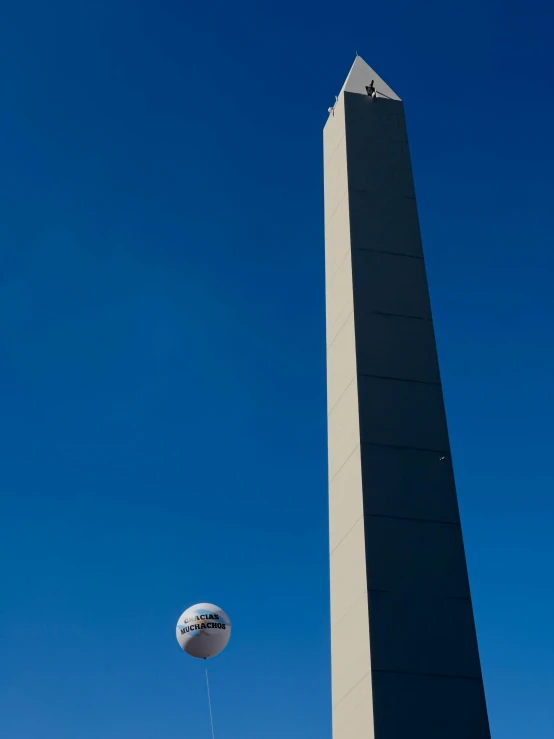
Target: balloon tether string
[(210, 704)]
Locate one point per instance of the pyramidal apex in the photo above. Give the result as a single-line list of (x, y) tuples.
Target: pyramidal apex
[(361, 75)]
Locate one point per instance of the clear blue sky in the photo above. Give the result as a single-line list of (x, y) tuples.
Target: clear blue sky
[(162, 371)]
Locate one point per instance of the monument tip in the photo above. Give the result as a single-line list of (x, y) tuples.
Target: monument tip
[(361, 76)]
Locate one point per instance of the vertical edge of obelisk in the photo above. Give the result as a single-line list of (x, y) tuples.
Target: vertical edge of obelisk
[(351, 662)]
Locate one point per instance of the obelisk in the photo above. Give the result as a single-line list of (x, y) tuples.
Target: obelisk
[(405, 662)]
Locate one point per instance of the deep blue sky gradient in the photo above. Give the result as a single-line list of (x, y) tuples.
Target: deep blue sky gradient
[(162, 371)]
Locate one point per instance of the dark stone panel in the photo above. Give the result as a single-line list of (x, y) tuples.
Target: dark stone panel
[(430, 635), (409, 556), (397, 347), (408, 483), (399, 413), (370, 118), (428, 707), (389, 283), (389, 173), (382, 223), (377, 147)]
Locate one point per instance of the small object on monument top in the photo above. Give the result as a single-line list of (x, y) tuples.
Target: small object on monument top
[(371, 88)]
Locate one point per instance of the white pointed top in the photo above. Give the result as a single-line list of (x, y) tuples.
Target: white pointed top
[(361, 75)]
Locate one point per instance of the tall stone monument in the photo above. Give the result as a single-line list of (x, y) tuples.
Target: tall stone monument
[(405, 662)]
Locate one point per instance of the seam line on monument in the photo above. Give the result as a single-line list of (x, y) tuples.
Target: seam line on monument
[(335, 273), (339, 331), (428, 674), (334, 150), (410, 518), (361, 700), (383, 251), (347, 533), (394, 518), (328, 221), (342, 396), (466, 598), (380, 195), (352, 688), (401, 315), (352, 605), (400, 446), (399, 379), (343, 136), (342, 465)]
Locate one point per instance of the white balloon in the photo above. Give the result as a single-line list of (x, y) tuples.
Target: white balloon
[(203, 631)]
